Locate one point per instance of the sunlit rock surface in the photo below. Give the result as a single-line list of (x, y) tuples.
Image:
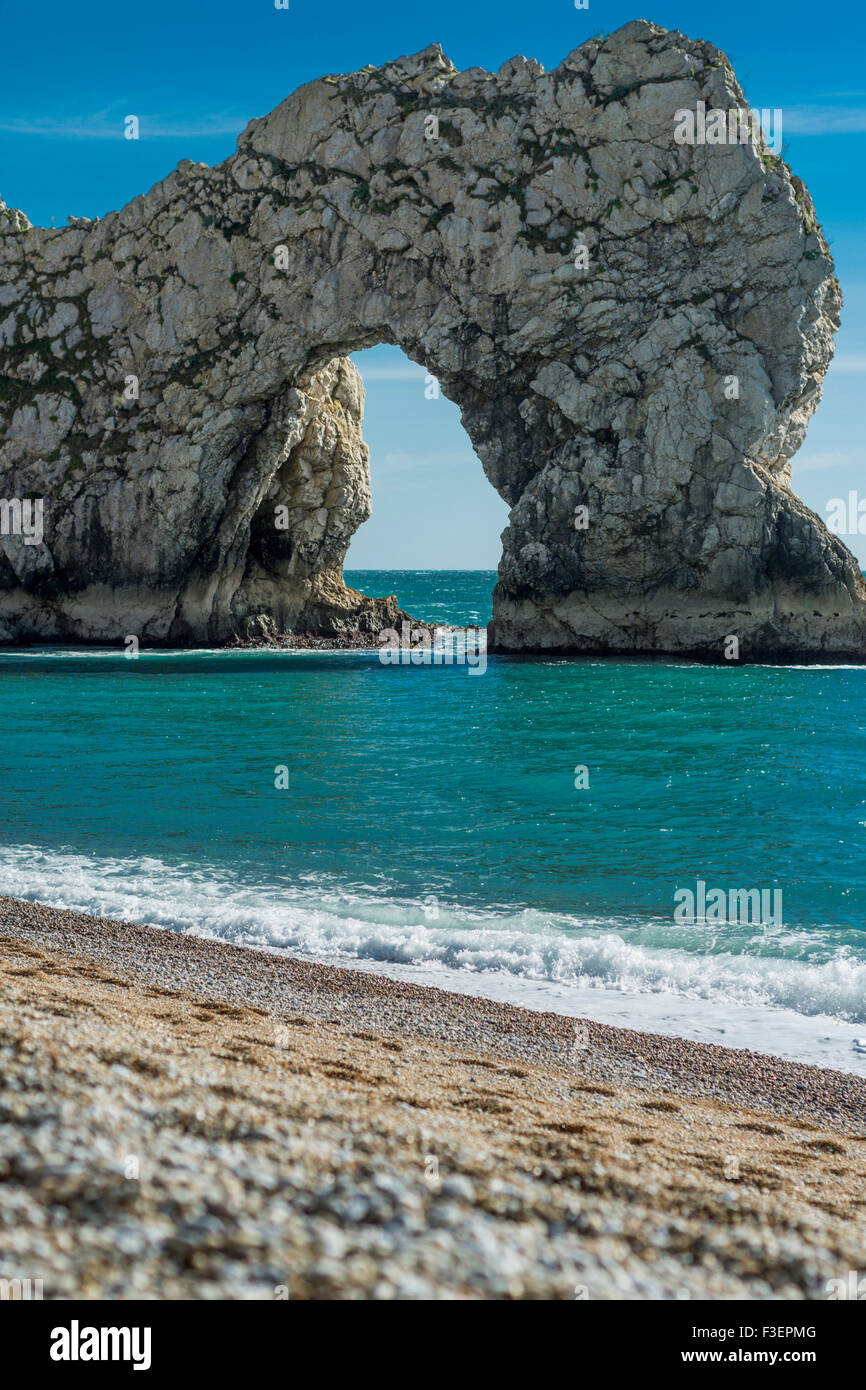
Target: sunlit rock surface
[(174, 385)]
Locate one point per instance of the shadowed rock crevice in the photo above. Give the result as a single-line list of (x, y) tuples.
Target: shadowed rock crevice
[(174, 380)]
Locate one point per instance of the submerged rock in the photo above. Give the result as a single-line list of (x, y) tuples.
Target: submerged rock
[(635, 330)]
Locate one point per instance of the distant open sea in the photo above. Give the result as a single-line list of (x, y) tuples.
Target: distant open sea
[(432, 828)]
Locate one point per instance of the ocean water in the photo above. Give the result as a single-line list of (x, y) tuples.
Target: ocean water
[(450, 597), (432, 826)]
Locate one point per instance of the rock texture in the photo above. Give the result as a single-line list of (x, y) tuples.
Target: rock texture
[(440, 210)]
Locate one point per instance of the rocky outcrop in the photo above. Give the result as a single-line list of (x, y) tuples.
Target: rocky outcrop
[(635, 331)]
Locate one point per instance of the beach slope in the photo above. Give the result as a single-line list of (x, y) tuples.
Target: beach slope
[(181, 1118)]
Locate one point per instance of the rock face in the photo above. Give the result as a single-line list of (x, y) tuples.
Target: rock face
[(173, 381)]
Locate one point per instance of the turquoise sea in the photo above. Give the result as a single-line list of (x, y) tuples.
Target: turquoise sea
[(432, 825)]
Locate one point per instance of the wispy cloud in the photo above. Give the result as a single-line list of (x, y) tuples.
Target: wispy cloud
[(818, 462), (824, 120), (109, 125), (407, 373), (849, 362)]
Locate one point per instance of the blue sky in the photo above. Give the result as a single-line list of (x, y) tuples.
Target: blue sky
[(195, 73)]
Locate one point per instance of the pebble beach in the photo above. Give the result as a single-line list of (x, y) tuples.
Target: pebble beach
[(185, 1119)]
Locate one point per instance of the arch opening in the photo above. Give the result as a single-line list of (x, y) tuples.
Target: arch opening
[(320, 560), (433, 535)]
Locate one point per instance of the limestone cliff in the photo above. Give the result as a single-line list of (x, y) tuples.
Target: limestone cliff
[(173, 381)]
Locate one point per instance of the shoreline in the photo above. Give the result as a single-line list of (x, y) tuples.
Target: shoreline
[(363, 641), (647, 1060), (770, 1030), (183, 1118)]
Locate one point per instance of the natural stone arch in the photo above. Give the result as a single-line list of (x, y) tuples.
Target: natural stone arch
[(601, 388)]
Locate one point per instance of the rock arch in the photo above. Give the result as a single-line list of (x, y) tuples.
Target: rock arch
[(174, 373)]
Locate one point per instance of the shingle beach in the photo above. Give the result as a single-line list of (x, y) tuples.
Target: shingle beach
[(183, 1118)]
